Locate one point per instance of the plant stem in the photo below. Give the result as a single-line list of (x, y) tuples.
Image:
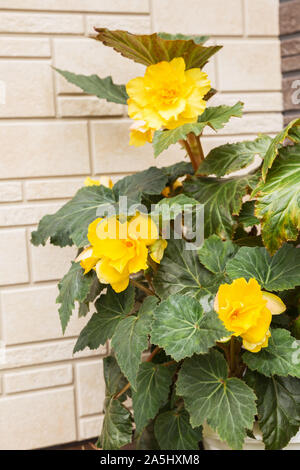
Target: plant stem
[(226, 351), (127, 386), (196, 149), (124, 389), (154, 352), (170, 363), (232, 355), (190, 154), (142, 287), (200, 149)]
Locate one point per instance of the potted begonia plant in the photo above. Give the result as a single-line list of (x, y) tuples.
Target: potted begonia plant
[(193, 274)]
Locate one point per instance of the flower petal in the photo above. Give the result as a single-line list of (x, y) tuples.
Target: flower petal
[(274, 303)]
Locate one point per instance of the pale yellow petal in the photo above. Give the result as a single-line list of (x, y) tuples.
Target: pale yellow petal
[(274, 303)]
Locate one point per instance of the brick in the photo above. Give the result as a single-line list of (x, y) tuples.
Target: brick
[(52, 189), (25, 47), (31, 314), (29, 90), (291, 64), (113, 153), (87, 106), (27, 214), (90, 427), (289, 17), (210, 69), (253, 123), (262, 17), (253, 102), (201, 17), (50, 262), (250, 65), (37, 419), (134, 24), (90, 387), (41, 23), (14, 257), (32, 379), (290, 47), (88, 56), (10, 192), (44, 353), (291, 93), (44, 149), (134, 6)]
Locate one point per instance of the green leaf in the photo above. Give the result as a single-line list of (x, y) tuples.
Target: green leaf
[(275, 145), (153, 386), (278, 408), (184, 37), (95, 290), (215, 117), (174, 432), (215, 253), (222, 199), (177, 170), (170, 207), (130, 339), (111, 308), (180, 271), (113, 376), (72, 220), (94, 85), (75, 285), (279, 199), (227, 404), (149, 49), (232, 157), (247, 216), (182, 329), (281, 357), (151, 181), (117, 426), (146, 439), (277, 273)]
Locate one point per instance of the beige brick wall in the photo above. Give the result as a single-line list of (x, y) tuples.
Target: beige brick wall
[(52, 137)]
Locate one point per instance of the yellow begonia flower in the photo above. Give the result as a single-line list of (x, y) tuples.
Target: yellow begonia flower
[(86, 259), (247, 311), (118, 249), (140, 134), (103, 180), (142, 227), (168, 95)]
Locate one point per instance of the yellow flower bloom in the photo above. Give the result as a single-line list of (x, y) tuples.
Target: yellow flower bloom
[(140, 134), (103, 180), (168, 95), (142, 227), (86, 259), (247, 311), (118, 249)]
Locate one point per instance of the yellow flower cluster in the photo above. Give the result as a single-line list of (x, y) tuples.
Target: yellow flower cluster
[(165, 98), (118, 249), (247, 311), (102, 181)]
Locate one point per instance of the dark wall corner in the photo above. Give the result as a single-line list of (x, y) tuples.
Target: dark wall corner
[(290, 57)]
